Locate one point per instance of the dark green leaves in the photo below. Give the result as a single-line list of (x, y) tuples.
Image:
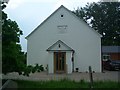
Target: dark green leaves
[(105, 18), (13, 59)]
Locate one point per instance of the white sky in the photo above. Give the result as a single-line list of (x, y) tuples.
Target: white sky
[(30, 13)]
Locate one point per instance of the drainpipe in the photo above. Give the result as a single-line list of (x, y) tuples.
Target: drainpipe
[(73, 61)]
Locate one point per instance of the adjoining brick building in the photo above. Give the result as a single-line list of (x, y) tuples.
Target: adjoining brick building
[(111, 52)]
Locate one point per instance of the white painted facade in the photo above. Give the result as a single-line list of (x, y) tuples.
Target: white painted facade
[(75, 34)]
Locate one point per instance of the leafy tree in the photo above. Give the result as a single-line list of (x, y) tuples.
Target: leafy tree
[(13, 59), (104, 17), (12, 56)]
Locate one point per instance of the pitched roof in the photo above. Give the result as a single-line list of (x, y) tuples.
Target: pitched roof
[(59, 46), (111, 49), (70, 13)]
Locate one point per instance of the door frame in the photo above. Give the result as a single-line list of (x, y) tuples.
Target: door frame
[(62, 71)]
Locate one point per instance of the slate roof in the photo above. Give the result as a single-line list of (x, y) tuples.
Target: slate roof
[(111, 49)]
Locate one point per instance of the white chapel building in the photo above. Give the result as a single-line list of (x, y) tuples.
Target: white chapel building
[(64, 43)]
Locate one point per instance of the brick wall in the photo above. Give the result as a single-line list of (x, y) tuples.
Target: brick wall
[(115, 56)]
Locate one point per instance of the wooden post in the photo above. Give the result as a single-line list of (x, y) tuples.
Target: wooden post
[(91, 77)]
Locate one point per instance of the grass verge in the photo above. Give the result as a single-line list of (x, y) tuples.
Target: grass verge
[(65, 83)]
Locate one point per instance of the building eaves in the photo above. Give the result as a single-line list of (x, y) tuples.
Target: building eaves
[(111, 49)]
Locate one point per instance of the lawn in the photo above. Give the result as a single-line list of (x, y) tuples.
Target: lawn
[(65, 83)]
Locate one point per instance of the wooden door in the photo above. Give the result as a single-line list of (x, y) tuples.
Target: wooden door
[(59, 62)]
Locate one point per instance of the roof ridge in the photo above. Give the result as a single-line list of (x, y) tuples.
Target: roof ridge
[(70, 13), (44, 21)]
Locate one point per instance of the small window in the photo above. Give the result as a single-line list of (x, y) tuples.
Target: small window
[(62, 15)]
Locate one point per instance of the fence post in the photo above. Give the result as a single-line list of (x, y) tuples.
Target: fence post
[(91, 77)]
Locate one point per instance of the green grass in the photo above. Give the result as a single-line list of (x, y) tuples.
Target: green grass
[(106, 84), (65, 83)]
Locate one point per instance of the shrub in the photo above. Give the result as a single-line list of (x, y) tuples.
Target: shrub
[(31, 69)]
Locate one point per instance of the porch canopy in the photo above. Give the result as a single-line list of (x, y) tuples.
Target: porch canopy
[(59, 46)]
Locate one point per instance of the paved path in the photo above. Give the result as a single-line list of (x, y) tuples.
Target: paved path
[(108, 75)]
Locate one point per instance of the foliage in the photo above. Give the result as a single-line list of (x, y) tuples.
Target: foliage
[(104, 17), (31, 69), (65, 83), (39, 68), (13, 59), (12, 55)]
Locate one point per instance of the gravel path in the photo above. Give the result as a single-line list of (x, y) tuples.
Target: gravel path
[(107, 75)]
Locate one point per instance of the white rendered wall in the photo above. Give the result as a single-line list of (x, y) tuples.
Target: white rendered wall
[(51, 63), (69, 62), (79, 36)]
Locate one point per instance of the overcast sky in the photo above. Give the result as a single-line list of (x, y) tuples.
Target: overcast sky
[(30, 13)]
